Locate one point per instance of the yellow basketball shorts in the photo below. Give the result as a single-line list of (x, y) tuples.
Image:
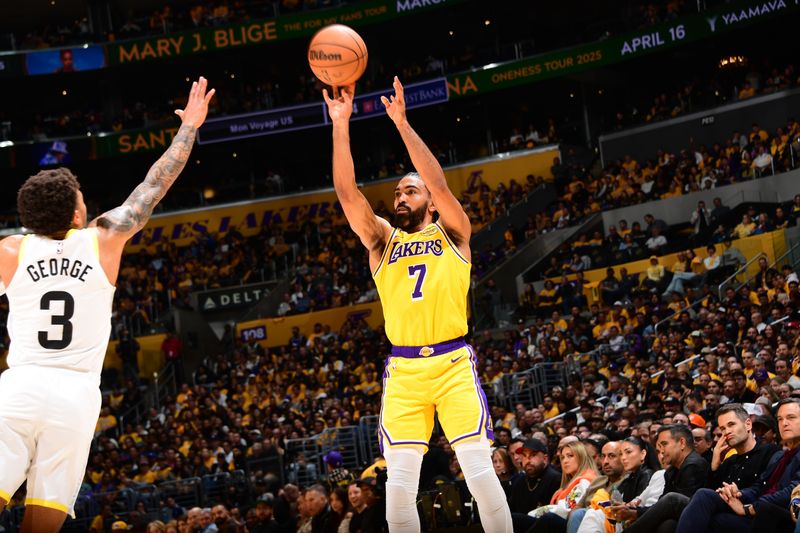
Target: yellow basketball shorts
[(421, 380)]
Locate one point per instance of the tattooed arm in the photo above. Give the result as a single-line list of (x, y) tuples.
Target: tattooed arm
[(134, 213), (115, 227)]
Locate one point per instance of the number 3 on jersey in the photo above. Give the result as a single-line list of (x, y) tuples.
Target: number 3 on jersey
[(418, 272), (58, 320)]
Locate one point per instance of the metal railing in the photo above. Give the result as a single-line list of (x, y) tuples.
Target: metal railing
[(677, 313), (685, 361), (164, 385), (370, 449), (791, 251), (573, 410), (529, 386), (722, 286)]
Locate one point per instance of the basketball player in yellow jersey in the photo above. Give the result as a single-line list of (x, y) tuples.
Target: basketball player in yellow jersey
[(421, 270), (60, 285)]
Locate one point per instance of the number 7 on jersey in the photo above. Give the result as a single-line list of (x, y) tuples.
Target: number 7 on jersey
[(418, 272)]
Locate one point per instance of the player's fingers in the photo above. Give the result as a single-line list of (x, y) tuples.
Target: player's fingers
[(325, 96), (179, 112), (385, 101), (193, 90), (398, 87), (335, 92), (201, 87), (210, 95)]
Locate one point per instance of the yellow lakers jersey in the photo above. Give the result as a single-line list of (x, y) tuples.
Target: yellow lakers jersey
[(422, 280)]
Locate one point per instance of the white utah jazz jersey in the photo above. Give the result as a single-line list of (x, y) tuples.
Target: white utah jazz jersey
[(60, 303)]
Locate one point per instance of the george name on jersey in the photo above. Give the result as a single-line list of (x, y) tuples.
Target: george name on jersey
[(58, 267), (410, 249)]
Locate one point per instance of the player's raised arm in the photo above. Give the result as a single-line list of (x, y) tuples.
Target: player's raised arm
[(370, 228), (452, 215), (122, 222)]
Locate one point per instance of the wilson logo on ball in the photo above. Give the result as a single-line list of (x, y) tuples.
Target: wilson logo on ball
[(337, 55), (321, 55)]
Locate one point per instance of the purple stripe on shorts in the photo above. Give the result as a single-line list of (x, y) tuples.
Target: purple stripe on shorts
[(485, 417), (432, 350)]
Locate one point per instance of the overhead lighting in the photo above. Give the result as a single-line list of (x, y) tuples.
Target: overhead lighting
[(451, 32), (487, 22), (732, 61), (6, 144), (64, 92)]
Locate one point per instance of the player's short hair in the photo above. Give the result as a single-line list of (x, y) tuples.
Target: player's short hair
[(46, 202)]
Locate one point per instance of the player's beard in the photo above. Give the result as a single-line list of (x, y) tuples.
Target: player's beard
[(407, 220)]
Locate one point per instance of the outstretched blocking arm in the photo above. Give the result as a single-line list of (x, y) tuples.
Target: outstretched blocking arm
[(121, 223), (452, 215), (370, 228)]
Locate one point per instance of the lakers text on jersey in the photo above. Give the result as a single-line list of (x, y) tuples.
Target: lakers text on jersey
[(423, 280)]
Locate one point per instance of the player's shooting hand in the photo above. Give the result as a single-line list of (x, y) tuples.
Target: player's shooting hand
[(396, 104), (340, 107), (194, 114)]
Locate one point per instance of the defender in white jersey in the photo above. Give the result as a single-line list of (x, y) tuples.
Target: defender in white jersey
[(60, 284)]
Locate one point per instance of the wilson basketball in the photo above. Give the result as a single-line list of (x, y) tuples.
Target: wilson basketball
[(337, 55)]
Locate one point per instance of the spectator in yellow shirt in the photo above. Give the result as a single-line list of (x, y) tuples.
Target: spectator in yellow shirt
[(655, 274), (549, 407), (747, 91), (745, 229)]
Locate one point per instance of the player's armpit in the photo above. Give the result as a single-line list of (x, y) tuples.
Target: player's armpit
[(134, 213)]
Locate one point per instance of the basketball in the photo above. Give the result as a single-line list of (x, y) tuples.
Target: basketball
[(337, 55)]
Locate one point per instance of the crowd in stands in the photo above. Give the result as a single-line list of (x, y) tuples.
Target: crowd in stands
[(699, 94), (637, 426), (169, 19), (213, 13), (625, 182), (255, 93)]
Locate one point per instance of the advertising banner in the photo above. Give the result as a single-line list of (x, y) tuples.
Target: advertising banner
[(271, 332), (135, 141), (264, 31), (617, 49), (262, 123), (230, 297), (249, 217), (421, 94), (314, 115)]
